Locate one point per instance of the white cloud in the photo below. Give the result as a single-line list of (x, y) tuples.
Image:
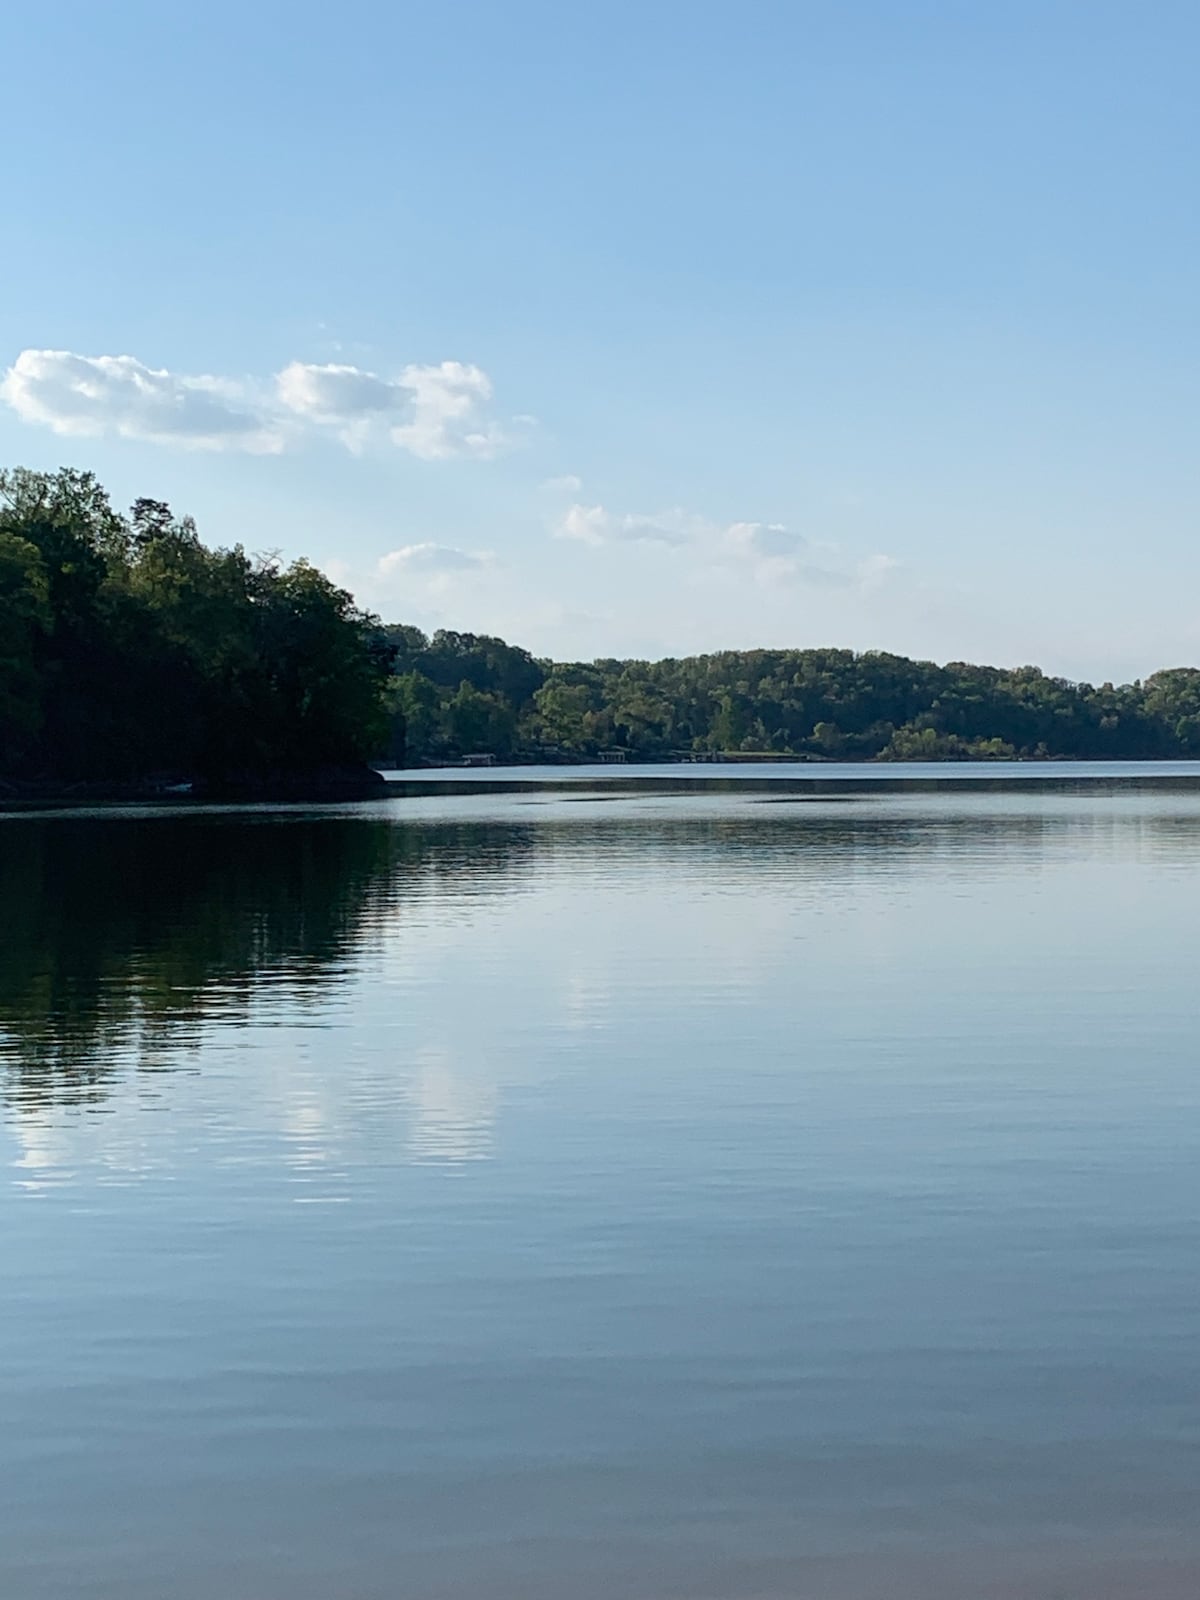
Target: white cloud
[(429, 558), (90, 396), (440, 409), (334, 393), (567, 484), (419, 574), (769, 552), (588, 524), (594, 525), (447, 413), (776, 554), (764, 541), (436, 412)]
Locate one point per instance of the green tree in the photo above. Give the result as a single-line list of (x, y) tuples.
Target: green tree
[(128, 648), (24, 624), (480, 721), (563, 707), (414, 707)]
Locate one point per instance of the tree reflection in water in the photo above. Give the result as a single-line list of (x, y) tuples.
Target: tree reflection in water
[(127, 935)]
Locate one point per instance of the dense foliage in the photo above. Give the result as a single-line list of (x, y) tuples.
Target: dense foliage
[(127, 648), (456, 694), (130, 650)]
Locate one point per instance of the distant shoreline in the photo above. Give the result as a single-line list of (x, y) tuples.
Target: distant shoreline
[(379, 781), (394, 782), (780, 759)]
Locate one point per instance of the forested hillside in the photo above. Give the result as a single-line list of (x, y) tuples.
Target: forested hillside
[(457, 693), (129, 650)]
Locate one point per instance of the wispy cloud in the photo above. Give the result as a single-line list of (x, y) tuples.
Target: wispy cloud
[(434, 412), (594, 525), (776, 554), (768, 552), (764, 541), (429, 557), (421, 574)]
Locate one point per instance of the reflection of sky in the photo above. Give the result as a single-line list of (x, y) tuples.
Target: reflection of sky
[(453, 1110), (44, 1147), (679, 1199), (625, 927)]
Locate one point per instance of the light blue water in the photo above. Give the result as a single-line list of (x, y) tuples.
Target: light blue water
[(653, 1196)]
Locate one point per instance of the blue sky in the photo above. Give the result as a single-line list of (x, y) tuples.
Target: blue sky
[(634, 329)]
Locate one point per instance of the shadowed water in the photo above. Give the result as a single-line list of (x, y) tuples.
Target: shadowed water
[(692, 1196)]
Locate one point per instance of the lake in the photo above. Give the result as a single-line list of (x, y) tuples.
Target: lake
[(675, 1192)]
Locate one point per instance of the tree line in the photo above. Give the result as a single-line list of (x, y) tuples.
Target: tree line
[(456, 694), (129, 650)]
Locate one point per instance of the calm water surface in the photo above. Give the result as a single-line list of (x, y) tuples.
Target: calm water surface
[(711, 1196)]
